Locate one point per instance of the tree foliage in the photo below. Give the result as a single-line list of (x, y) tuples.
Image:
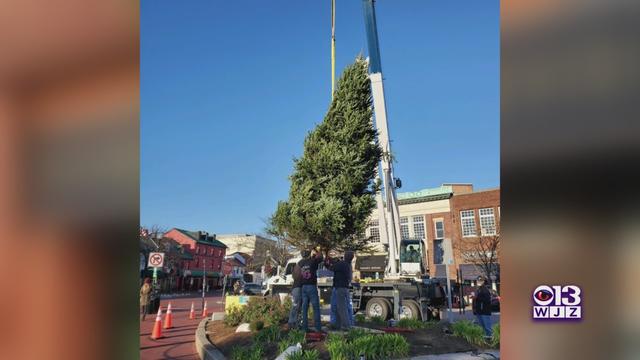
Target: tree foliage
[(482, 251), (332, 188)]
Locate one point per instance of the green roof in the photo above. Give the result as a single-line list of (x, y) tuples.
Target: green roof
[(194, 235), (439, 193)]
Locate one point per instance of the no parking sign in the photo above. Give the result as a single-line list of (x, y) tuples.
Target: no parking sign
[(156, 259)]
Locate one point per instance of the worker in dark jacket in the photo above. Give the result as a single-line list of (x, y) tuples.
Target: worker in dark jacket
[(342, 276), (482, 306), (296, 298), (309, 289)]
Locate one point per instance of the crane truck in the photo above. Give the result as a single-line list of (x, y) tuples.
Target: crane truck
[(405, 291)]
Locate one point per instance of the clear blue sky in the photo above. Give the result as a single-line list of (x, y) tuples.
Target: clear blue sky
[(229, 89)]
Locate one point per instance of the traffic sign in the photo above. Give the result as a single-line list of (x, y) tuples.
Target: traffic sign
[(156, 259)]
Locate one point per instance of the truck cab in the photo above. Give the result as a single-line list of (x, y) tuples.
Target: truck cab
[(412, 257)]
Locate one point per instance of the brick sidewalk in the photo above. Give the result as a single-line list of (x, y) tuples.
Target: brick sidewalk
[(178, 342)]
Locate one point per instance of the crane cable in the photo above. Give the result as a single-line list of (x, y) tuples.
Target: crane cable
[(333, 47)]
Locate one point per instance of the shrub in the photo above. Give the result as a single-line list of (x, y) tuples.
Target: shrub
[(495, 337), (269, 310), (268, 334), (355, 333), (381, 346), (408, 323), (292, 338), (377, 320), (469, 331), (256, 325), (338, 348), (360, 318), (233, 317), (254, 352), (304, 355), (372, 346)]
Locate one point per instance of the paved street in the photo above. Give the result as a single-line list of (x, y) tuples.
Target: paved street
[(178, 343)]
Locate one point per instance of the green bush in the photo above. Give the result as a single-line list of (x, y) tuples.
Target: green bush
[(254, 352), (304, 355), (256, 325), (372, 346), (377, 320), (408, 323), (469, 331), (360, 318), (292, 338), (495, 337), (338, 348), (269, 310), (381, 346), (268, 334), (355, 333), (233, 317)]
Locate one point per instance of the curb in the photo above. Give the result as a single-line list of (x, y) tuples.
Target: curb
[(206, 350)]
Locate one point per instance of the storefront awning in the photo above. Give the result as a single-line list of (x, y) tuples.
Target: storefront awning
[(198, 273), (371, 263), (472, 271)]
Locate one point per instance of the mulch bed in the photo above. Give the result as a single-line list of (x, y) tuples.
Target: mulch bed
[(431, 341)]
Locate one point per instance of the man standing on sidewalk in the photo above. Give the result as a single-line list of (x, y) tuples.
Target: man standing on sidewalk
[(482, 306), (342, 276), (309, 281)]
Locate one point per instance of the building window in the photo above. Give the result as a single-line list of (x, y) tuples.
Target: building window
[(439, 227), (418, 227), (438, 252), (374, 231), (404, 227), (468, 222), (211, 251), (197, 262), (487, 222)]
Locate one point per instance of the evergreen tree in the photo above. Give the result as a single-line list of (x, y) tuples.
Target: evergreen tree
[(332, 189)]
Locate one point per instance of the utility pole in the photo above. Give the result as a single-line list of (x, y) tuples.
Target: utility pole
[(204, 278)]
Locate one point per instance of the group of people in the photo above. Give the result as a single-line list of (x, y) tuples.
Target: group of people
[(305, 291)]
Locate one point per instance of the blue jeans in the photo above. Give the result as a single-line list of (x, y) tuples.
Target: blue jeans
[(342, 308), (296, 303), (310, 295), (485, 323), (334, 309)]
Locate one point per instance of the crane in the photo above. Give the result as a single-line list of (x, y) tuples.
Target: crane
[(388, 212)]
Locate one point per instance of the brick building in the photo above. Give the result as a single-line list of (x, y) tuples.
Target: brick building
[(206, 254), (476, 218), (437, 216)]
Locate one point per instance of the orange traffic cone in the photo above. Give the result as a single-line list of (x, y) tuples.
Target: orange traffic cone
[(204, 310), (167, 318), (192, 313), (157, 327)]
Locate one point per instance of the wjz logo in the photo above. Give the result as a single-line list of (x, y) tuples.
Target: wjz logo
[(557, 302)]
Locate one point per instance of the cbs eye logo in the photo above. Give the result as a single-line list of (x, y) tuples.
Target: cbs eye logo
[(557, 302)]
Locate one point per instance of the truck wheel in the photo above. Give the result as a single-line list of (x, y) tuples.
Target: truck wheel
[(410, 310), (378, 307)]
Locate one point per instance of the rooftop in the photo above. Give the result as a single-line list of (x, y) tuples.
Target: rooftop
[(439, 193), (202, 237)]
